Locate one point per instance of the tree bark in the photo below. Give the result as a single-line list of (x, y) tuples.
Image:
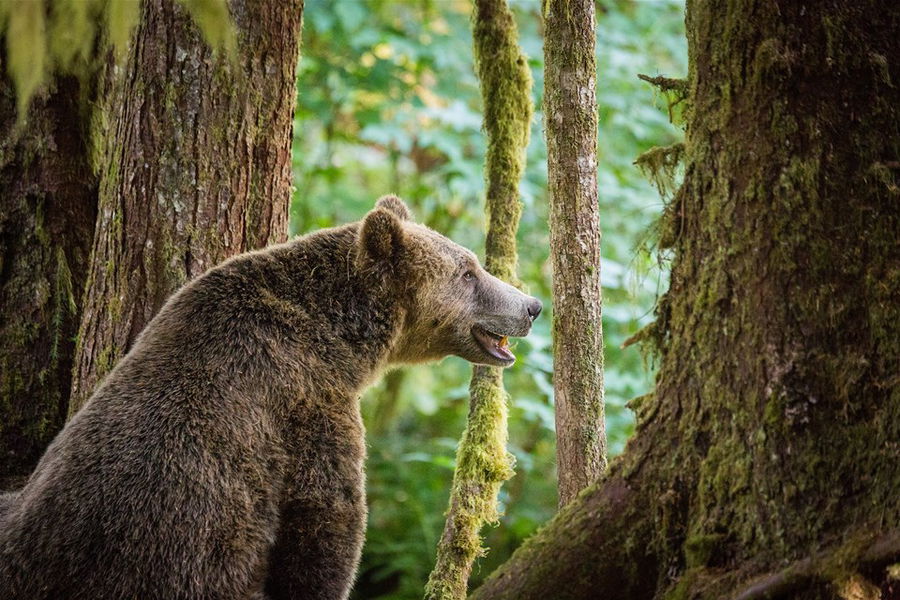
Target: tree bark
[(570, 106), (195, 167), (47, 211), (482, 462), (771, 438)]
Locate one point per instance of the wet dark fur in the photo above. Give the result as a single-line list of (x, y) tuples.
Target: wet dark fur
[(223, 456)]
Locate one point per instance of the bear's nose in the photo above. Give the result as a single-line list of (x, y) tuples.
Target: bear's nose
[(534, 308)]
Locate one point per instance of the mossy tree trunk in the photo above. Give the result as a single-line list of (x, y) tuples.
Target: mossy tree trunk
[(570, 106), (47, 212), (194, 167), (772, 436), (482, 461)]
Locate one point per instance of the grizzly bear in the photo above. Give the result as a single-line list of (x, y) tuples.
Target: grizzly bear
[(223, 456)]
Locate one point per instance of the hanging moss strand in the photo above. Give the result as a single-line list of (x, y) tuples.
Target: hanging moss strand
[(482, 460)]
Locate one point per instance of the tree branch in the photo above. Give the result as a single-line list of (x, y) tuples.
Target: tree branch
[(667, 84)]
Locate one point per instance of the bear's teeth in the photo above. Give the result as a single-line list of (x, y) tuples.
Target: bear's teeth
[(504, 342)]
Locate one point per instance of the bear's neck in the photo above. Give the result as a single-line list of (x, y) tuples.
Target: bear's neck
[(349, 322)]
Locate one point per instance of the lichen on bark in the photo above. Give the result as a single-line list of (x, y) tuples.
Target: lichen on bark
[(482, 462)]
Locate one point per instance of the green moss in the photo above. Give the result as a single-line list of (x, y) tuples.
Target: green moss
[(660, 164), (121, 19), (63, 302), (214, 22), (105, 361), (700, 549), (882, 68), (40, 42), (482, 465), (72, 30), (171, 96), (644, 407), (99, 126), (114, 308), (26, 49), (506, 93), (11, 385), (684, 588), (482, 460), (676, 92), (887, 177), (772, 61), (40, 232)]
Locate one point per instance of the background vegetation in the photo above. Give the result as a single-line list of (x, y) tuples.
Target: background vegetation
[(388, 101)]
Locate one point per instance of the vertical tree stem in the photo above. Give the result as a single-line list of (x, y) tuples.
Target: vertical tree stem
[(571, 123), (482, 461)]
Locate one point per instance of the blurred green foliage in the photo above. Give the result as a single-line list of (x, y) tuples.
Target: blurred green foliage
[(388, 102)]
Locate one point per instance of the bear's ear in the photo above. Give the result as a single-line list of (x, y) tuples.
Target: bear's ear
[(381, 236), (395, 205)]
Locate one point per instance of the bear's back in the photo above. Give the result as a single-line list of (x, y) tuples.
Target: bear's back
[(168, 482), (170, 473)]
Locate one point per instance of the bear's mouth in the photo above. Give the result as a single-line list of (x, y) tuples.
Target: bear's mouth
[(494, 344)]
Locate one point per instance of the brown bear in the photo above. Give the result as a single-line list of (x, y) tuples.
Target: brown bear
[(223, 456)]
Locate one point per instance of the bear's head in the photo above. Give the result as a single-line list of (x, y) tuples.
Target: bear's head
[(451, 305)]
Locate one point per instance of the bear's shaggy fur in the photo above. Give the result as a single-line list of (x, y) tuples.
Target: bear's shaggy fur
[(223, 456)]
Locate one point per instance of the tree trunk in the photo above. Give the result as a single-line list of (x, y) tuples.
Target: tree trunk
[(482, 462), (195, 167), (570, 106), (47, 212), (772, 437)]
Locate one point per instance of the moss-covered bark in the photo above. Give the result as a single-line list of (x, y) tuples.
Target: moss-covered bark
[(570, 106), (193, 151), (47, 211), (482, 462), (772, 436)]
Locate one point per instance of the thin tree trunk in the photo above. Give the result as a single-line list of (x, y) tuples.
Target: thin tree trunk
[(482, 462), (47, 211), (772, 437), (195, 167), (570, 106)]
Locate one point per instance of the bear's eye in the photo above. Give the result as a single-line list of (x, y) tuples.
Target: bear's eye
[(468, 275)]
